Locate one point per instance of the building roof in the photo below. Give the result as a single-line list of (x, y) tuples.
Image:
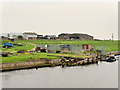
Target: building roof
[(30, 33), (74, 34), (39, 35)]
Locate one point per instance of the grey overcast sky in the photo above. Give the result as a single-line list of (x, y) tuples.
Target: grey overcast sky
[(99, 19)]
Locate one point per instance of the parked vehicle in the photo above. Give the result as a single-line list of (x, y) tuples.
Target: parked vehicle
[(8, 44)]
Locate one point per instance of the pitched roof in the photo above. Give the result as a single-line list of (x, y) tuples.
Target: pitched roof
[(74, 34), (30, 33)]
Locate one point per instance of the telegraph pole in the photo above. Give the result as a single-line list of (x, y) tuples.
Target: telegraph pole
[(112, 36)]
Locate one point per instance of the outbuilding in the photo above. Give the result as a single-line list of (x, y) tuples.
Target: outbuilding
[(86, 47)]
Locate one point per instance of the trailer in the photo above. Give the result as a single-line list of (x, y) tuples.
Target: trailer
[(8, 45)]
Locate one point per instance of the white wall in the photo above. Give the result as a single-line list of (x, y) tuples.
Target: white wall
[(31, 36)]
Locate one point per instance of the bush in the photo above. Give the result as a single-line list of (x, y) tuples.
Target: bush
[(20, 37)]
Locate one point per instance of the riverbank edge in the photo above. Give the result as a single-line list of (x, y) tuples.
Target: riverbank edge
[(36, 64), (29, 64)]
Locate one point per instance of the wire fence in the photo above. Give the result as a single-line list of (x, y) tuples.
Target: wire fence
[(74, 49)]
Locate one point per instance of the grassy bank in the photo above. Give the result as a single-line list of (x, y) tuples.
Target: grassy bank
[(109, 45), (35, 56), (26, 57)]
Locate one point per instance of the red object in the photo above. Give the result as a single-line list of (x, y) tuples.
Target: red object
[(85, 46)]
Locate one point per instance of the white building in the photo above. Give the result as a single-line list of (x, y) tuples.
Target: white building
[(29, 35)]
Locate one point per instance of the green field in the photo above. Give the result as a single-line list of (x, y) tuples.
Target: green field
[(35, 56), (109, 45), (17, 48)]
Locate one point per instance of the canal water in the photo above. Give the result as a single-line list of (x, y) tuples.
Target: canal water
[(101, 75)]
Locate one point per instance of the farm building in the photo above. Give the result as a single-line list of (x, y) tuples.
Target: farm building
[(29, 35), (39, 36), (50, 36), (76, 36)]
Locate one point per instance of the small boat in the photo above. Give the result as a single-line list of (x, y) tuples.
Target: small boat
[(111, 58), (117, 57)]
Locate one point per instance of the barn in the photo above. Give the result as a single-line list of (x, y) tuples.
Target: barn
[(29, 35), (75, 36)]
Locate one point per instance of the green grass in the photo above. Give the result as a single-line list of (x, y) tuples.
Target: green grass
[(16, 48), (35, 56), (24, 57), (109, 45)]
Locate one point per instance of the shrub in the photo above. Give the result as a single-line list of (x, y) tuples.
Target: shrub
[(20, 37)]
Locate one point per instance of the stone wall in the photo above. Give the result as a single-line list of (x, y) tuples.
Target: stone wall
[(29, 64)]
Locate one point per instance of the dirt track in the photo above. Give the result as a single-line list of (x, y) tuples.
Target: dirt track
[(32, 48)]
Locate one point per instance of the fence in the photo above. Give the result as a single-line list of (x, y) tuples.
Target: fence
[(74, 49)]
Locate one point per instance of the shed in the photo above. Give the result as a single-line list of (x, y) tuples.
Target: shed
[(86, 46)]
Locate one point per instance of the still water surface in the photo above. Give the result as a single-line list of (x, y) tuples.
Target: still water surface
[(101, 75)]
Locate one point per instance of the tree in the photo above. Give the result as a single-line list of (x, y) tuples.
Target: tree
[(8, 35), (20, 37)]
